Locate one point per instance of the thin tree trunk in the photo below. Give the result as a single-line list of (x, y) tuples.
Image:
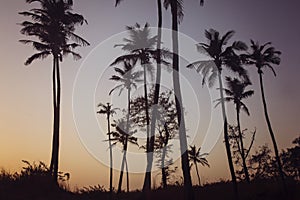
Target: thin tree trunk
[(226, 139), (188, 189), (54, 114), (163, 157), (147, 179), (125, 144), (196, 166), (56, 161), (110, 154), (272, 133), (127, 174), (242, 145)]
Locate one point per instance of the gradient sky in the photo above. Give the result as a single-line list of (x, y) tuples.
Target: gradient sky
[(26, 103)]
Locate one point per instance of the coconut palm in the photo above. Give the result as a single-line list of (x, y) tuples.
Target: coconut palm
[(176, 7), (53, 24), (108, 111), (141, 48), (265, 56), (236, 93), (221, 55), (196, 157), (127, 78), (122, 136)]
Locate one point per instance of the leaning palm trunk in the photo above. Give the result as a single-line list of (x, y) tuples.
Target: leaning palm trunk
[(226, 139), (189, 193), (242, 145), (271, 132), (196, 166), (147, 180), (125, 145), (127, 174)]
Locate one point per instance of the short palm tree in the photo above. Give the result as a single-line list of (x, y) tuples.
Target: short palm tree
[(127, 78), (221, 55), (265, 56), (236, 93), (53, 24), (109, 112), (122, 136), (196, 157)]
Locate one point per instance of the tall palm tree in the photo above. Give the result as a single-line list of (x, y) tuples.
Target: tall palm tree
[(108, 111), (196, 157), (236, 93), (222, 55), (53, 24), (127, 78), (141, 48), (265, 56), (176, 7), (122, 136)]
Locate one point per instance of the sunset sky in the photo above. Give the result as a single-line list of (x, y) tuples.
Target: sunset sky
[(26, 95)]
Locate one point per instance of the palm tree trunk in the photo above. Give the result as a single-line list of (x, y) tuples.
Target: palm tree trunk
[(54, 113), (147, 179), (110, 155), (125, 144), (189, 193), (127, 174), (163, 158), (242, 145), (196, 166), (226, 139), (272, 133), (56, 161)]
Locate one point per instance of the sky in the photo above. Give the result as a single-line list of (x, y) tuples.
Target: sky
[(26, 103)]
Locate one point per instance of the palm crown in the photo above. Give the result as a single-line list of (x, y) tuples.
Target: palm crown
[(221, 54), (262, 56), (54, 25), (196, 157), (126, 77), (236, 93)]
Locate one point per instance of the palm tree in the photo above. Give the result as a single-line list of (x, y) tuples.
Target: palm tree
[(176, 7), (236, 93), (141, 49), (264, 56), (54, 25), (108, 111), (128, 79), (222, 55), (196, 157), (122, 136)]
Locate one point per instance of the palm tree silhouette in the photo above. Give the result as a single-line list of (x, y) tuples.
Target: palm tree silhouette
[(222, 55), (54, 25), (236, 93), (108, 111), (141, 49), (176, 7), (127, 78), (264, 56), (196, 157), (123, 137)]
